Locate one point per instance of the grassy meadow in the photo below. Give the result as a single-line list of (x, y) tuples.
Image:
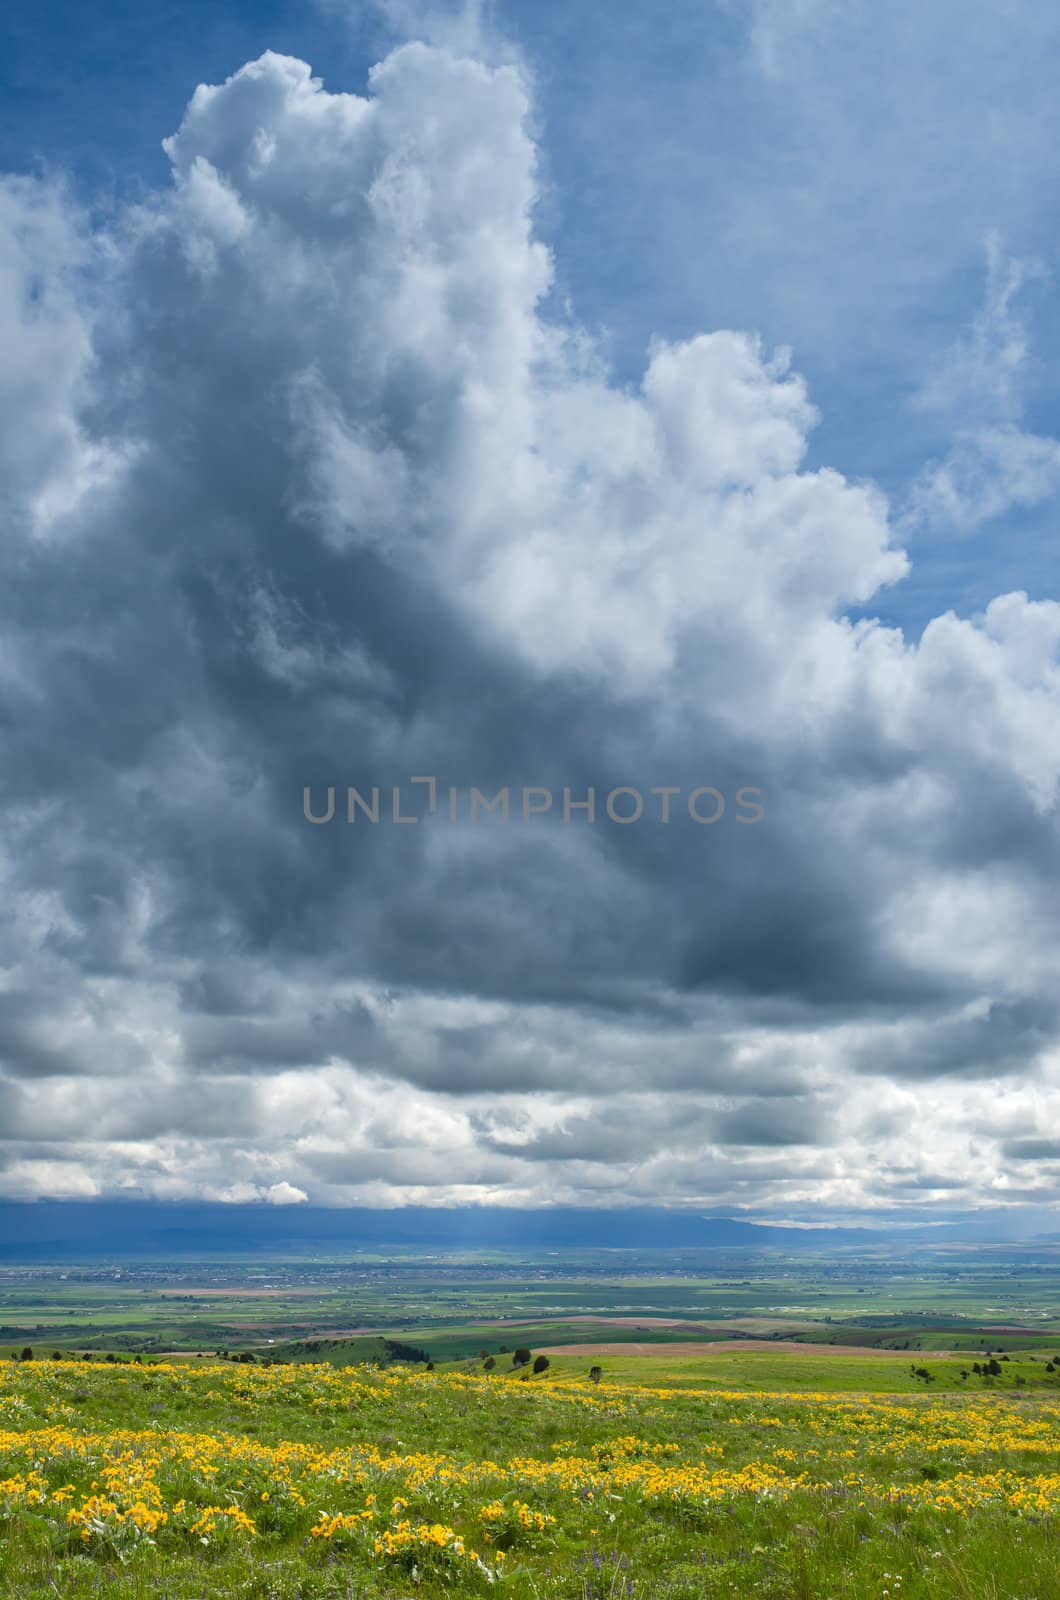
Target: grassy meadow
[(758, 1473)]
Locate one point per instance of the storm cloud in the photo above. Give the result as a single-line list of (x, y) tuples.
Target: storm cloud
[(311, 482)]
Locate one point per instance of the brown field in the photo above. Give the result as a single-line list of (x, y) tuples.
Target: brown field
[(706, 1347)]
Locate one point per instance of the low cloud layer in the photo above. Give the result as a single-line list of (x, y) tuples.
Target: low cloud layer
[(310, 483)]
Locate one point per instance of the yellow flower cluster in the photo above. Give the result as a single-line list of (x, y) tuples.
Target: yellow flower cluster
[(967, 1491), (233, 1516), (518, 1513), (342, 1522), (394, 1541)]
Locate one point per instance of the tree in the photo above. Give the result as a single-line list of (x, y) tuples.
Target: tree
[(489, 1363), (596, 1373), (27, 1354), (521, 1357), (541, 1364)]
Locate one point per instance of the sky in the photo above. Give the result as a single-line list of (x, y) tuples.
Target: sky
[(531, 400)]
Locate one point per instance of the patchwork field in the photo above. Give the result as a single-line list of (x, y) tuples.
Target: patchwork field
[(450, 1305), (271, 1483)]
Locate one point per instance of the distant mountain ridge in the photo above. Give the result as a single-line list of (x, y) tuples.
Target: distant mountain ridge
[(47, 1230)]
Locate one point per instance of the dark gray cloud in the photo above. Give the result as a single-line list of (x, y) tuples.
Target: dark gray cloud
[(1031, 1150)]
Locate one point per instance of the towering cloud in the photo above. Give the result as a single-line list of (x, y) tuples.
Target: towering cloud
[(312, 484)]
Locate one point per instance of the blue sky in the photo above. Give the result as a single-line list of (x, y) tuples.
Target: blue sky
[(531, 395)]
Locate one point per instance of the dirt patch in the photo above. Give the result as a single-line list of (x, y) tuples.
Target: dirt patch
[(707, 1347)]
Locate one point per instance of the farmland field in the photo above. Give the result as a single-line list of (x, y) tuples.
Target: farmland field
[(451, 1304)]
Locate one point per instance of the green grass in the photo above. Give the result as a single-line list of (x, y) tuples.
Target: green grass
[(676, 1478), (767, 1371)]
